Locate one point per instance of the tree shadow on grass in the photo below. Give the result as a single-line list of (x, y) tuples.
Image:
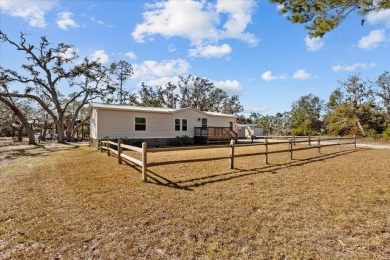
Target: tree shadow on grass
[(33, 151), (156, 178), (188, 184)]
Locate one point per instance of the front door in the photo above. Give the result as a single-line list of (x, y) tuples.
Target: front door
[(204, 122)]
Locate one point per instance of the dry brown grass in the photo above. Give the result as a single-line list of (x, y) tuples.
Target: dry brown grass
[(79, 203)]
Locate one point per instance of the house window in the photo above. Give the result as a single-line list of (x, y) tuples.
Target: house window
[(181, 125), (184, 125), (177, 124), (140, 124), (204, 122)]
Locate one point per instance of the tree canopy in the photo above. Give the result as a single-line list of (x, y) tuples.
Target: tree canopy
[(46, 67), (191, 91), (322, 16), (306, 115)]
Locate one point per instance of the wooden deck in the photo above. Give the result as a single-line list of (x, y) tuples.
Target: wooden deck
[(214, 134)]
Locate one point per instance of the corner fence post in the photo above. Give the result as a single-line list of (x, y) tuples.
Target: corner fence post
[(266, 151), (120, 141), (319, 145), (354, 141), (144, 161), (290, 144), (108, 147), (309, 140), (232, 143), (339, 142)]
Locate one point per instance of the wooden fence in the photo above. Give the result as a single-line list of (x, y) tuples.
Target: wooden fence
[(313, 143), (106, 145)]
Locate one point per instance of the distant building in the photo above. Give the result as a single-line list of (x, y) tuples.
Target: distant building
[(249, 130)]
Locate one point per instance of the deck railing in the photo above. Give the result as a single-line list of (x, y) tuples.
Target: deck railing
[(214, 134)]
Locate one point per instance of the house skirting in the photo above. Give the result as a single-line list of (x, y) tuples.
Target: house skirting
[(152, 142)]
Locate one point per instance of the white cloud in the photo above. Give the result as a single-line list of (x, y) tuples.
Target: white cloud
[(95, 20), (268, 76), (64, 21), (302, 74), (372, 40), (228, 85), (131, 55), (210, 51), (162, 81), (382, 16), (100, 22), (100, 56), (31, 11), (177, 18), (353, 67), (255, 109), (279, 7), (152, 69), (69, 53), (314, 44), (239, 16), (171, 48)]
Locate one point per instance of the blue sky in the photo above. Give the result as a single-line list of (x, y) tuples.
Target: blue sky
[(245, 47)]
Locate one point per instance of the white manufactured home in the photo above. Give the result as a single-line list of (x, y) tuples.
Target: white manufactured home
[(157, 125)]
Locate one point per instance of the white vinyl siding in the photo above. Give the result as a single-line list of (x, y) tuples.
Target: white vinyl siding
[(121, 124), (94, 124)]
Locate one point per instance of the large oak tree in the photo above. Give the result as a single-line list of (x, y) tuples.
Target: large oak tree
[(46, 68)]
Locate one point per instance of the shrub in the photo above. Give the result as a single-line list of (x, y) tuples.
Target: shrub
[(386, 133), (128, 141), (181, 141)]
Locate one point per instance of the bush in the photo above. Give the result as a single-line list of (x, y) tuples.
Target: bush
[(181, 141), (133, 142), (386, 133)]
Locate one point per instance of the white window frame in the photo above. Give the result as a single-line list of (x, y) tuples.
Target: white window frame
[(174, 124), (181, 127), (146, 124), (181, 124)]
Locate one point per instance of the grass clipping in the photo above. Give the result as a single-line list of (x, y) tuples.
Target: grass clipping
[(67, 203)]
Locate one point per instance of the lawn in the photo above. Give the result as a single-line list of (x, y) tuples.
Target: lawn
[(79, 203)]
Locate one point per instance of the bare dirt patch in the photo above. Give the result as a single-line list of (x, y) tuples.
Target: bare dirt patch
[(78, 202)]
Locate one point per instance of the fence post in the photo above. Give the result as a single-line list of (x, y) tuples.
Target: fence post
[(207, 136), (319, 145), (120, 150), (339, 142), (266, 151), (108, 147), (232, 142), (294, 139), (100, 145), (354, 141), (144, 161), (291, 148), (309, 140)]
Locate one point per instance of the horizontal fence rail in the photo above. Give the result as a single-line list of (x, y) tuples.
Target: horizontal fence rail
[(314, 143), (143, 163)]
